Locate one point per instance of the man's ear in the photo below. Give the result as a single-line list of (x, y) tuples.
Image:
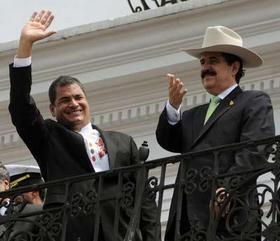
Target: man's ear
[(34, 194), (235, 67), (7, 185), (52, 110)]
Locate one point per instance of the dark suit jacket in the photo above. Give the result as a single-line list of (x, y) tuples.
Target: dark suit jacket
[(61, 153), (241, 116)]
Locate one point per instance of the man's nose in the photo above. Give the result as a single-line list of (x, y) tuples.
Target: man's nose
[(74, 102), (205, 66)]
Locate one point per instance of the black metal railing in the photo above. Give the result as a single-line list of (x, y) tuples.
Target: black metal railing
[(219, 196)]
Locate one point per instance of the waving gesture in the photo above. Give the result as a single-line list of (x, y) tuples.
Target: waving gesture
[(35, 29), (176, 90)]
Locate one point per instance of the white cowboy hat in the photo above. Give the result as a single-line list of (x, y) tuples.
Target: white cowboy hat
[(223, 39)]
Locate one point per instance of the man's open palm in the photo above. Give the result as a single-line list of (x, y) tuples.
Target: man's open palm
[(36, 27)]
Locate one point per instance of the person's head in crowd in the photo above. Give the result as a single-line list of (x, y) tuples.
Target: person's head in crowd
[(4, 178), (22, 175), (68, 103)]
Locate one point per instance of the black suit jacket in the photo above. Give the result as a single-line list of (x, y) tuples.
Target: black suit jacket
[(241, 116), (61, 153)]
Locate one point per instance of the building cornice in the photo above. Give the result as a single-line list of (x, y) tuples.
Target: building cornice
[(123, 62)]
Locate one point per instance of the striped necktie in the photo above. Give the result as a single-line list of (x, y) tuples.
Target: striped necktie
[(214, 102)]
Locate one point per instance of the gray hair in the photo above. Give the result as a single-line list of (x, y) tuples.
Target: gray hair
[(4, 174)]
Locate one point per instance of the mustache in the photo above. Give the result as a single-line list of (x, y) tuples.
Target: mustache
[(207, 72)]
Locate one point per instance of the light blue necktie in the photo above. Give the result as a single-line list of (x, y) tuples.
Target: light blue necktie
[(215, 101)]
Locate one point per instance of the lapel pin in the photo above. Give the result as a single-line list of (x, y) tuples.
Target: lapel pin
[(231, 103)]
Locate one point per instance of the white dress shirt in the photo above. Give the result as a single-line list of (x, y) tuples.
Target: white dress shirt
[(95, 148), (22, 62)]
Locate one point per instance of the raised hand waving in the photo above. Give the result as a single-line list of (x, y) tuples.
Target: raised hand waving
[(34, 30)]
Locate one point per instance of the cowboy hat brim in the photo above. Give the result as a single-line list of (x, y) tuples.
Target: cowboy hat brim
[(250, 58)]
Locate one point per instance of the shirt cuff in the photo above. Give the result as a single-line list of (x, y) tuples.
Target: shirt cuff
[(22, 62), (173, 115)]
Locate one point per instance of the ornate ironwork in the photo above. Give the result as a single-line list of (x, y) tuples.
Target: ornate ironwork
[(127, 199), (247, 210), (143, 5)]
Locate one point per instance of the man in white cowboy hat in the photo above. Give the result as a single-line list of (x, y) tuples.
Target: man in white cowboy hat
[(232, 116)]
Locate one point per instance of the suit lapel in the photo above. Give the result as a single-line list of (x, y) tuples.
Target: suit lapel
[(108, 145), (198, 120), (225, 105)]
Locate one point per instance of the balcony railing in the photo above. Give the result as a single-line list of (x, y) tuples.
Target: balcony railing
[(250, 208)]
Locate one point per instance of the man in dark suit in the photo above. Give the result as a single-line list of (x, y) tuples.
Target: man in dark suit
[(233, 117), (72, 146)]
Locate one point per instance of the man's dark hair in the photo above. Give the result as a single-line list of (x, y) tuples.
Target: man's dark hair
[(61, 81), (230, 59), (4, 174)]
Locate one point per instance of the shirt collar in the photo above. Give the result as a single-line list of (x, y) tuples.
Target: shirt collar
[(226, 92), (86, 129)]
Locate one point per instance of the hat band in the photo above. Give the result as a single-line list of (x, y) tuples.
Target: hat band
[(17, 181)]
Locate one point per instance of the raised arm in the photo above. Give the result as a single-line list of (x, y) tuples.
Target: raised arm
[(169, 133), (24, 113)]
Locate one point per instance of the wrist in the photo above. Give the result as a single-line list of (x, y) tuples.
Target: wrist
[(25, 48), (175, 106)]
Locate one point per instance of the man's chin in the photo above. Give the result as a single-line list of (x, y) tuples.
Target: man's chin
[(208, 85), (71, 123)]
